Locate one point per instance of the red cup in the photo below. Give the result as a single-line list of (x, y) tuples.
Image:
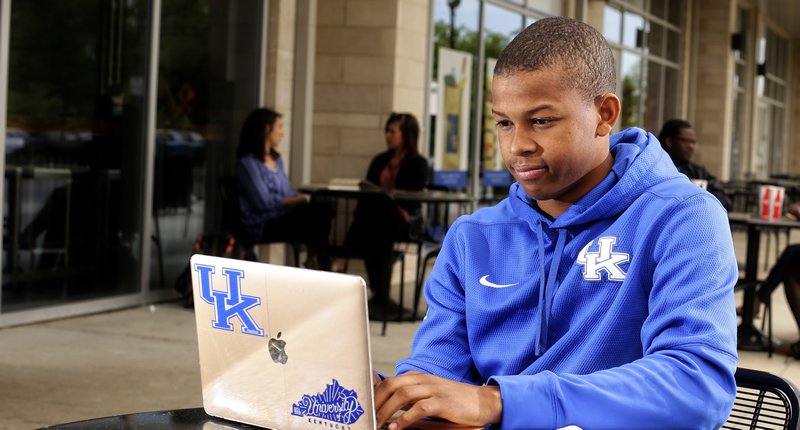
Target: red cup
[(765, 199), (777, 202)]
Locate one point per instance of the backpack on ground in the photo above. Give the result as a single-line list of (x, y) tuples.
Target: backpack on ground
[(218, 244)]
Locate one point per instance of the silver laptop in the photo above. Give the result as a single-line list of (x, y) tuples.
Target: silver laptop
[(283, 347)]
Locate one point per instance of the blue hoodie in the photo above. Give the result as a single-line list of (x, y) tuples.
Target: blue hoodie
[(617, 314)]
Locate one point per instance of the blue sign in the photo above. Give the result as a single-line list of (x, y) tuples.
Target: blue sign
[(450, 178), (334, 404), (496, 178), (231, 303)]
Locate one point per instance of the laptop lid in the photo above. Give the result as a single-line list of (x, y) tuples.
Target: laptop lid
[(283, 347)]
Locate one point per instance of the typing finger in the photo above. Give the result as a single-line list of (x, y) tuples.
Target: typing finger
[(401, 396), (387, 387), (421, 409)]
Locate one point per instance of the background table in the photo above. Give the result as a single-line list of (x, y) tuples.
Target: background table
[(180, 419), (748, 337), (424, 196), (198, 419), (440, 199), (435, 222)]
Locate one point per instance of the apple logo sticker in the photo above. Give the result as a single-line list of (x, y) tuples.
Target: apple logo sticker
[(276, 350)]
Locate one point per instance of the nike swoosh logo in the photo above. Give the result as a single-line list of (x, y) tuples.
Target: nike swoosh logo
[(485, 282)]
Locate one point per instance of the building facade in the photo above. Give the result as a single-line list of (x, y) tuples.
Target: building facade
[(120, 116)]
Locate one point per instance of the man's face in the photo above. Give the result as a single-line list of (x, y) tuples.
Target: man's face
[(681, 148), (549, 136)]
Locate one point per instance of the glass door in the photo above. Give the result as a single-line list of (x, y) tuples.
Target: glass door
[(74, 150), (208, 81)]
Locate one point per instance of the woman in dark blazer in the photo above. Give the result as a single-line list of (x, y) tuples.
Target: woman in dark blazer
[(378, 221)]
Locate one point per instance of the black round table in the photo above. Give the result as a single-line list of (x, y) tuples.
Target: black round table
[(180, 419), (197, 418)]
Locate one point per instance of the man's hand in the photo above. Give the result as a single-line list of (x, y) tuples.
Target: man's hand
[(432, 396)]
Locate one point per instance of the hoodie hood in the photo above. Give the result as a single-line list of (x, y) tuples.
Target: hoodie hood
[(639, 164)]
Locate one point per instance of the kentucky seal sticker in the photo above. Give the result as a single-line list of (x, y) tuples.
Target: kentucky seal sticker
[(335, 404)]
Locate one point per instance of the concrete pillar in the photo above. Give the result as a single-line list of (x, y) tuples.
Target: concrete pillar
[(279, 88), (713, 97), (370, 62)]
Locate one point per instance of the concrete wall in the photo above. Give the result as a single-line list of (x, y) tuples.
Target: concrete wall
[(794, 108), (280, 67), (279, 94), (370, 62), (712, 99)]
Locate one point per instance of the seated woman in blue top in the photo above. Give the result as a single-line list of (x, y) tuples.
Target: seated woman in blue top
[(271, 210), (378, 222)]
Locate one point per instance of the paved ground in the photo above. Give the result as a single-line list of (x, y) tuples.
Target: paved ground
[(145, 359)]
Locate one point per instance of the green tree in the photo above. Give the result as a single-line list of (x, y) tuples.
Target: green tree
[(466, 40)]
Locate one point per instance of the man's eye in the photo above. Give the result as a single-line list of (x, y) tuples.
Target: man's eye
[(503, 124), (540, 121)]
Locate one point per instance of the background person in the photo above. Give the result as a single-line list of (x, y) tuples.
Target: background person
[(678, 139), (379, 222), (271, 210), (600, 293)]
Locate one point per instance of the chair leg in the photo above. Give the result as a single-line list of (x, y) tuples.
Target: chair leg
[(420, 281), (770, 346), (395, 256), (767, 319), (766, 257), (402, 257), (385, 314)]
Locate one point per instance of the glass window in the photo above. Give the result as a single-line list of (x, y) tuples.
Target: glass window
[(631, 79), (673, 51), (205, 90), (633, 30), (500, 26), (76, 114), (672, 94), (772, 105), (499, 30), (737, 135), (653, 98), (740, 80), (675, 12), (612, 24), (659, 8), (655, 39), (552, 7), (635, 3), (650, 50), (455, 28)]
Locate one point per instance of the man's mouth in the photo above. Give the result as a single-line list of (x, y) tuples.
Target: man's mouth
[(528, 172)]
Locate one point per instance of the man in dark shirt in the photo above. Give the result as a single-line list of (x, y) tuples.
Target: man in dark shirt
[(678, 139)]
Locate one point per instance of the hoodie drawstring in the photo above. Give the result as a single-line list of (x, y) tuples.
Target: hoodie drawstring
[(546, 286)]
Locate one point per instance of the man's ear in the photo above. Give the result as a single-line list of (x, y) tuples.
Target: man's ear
[(608, 108)]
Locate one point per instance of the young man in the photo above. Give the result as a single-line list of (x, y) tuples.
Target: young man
[(600, 293), (678, 139)]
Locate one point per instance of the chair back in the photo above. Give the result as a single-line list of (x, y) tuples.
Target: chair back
[(763, 401), (231, 212)]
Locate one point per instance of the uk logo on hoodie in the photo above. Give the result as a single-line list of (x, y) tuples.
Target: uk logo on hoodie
[(602, 260)]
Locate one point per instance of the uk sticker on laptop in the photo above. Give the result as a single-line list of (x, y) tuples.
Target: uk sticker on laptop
[(283, 347)]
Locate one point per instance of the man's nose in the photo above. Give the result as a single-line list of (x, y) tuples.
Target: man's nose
[(521, 144)]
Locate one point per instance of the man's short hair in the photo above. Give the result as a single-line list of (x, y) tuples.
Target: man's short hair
[(672, 129), (579, 49)]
